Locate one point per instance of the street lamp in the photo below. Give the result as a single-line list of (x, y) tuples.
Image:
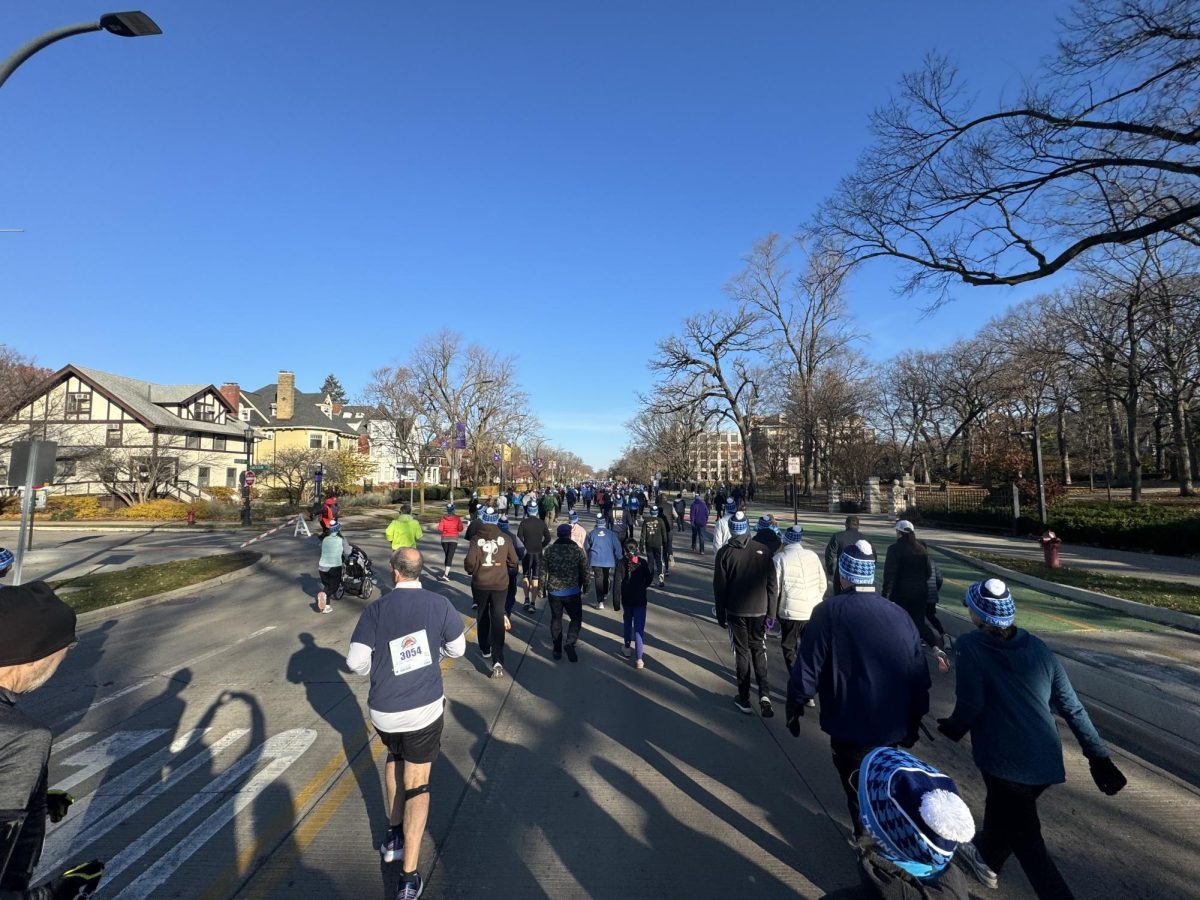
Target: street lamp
[(123, 24), (248, 478)]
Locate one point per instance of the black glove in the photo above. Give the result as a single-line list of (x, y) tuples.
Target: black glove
[(951, 731), (80, 881), (1106, 775), (57, 804), (793, 712)]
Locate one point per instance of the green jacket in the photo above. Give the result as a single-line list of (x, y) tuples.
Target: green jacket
[(652, 533), (403, 531), (547, 505)]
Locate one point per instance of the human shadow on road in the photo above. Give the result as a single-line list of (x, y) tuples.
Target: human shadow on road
[(81, 668), (321, 671)]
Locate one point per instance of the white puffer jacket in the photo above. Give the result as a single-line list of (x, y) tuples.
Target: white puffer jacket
[(801, 579)]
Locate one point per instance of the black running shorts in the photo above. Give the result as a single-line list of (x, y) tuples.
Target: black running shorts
[(415, 746)]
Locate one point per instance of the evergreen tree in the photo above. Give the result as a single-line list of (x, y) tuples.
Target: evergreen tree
[(334, 389)]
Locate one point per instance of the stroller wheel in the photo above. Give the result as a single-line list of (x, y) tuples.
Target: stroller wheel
[(366, 589)]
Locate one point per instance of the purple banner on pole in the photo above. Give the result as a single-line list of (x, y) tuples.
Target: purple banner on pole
[(460, 436)]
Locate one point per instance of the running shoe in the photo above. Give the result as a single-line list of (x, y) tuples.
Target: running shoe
[(743, 705), (765, 707), (497, 670), (529, 607), (970, 859), (571, 654), (661, 580), (600, 605), (411, 887), (392, 847), (627, 651), (639, 665), (487, 654), (811, 703), (327, 608)]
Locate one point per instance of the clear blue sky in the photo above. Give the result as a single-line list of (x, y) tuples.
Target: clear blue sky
[(291, 184)]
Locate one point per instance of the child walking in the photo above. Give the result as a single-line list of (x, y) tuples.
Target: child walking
[(635, 579)]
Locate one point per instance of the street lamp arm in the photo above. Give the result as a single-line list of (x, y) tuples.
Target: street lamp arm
[(42, 42)]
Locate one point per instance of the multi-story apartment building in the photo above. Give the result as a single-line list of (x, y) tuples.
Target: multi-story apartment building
[(717, 456)]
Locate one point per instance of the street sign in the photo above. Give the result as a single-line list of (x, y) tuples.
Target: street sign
[(793, 465), (241, 461), (250, 479), (44, 462), (260, 468)]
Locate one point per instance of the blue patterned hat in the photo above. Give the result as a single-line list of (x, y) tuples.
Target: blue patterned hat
[(992, 602), (765, 523), (793, 535), (573, 518), (731, 506), (738, 523), (912, 810), (490, 516), (857, 563), (502, 521)]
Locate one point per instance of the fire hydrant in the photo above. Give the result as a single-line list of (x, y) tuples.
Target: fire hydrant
[(191, 517), (1050, 542)]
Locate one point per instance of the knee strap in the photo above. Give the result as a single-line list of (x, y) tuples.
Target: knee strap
[(416, 792)]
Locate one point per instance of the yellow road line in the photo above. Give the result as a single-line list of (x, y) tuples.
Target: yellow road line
[(316, 818)]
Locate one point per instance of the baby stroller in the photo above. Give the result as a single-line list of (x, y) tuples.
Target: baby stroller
[(357, 576)]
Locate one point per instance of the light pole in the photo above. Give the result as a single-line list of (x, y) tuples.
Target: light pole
[(1036, 437), (123, 24), (248, 476)]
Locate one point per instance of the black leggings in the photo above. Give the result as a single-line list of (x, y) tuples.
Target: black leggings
[(931, 615), (1011, 827), (449, 547)]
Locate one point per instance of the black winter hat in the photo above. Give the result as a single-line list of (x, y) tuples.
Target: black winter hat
[(34, 623)]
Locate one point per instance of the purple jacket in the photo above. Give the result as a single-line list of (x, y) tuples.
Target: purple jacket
[(699, 512)]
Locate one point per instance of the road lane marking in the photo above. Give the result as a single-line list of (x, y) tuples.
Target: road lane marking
[(57, 842), (288, 744), (103, 754), (165, 674), (68, 742), (283, 749)]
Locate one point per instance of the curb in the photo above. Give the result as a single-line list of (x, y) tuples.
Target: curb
[(1174, 618), (96, 615)]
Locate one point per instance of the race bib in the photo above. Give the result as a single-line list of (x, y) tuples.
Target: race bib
[(410, 652)]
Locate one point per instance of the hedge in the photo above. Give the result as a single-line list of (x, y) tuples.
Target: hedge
[(1169, 530)]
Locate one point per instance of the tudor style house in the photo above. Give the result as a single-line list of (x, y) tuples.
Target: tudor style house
[(122, 438)]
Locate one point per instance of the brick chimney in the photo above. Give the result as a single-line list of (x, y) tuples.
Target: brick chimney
[(337, 409), (232, 393), (285, 397)]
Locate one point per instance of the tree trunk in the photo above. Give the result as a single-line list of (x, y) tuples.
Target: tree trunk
[(1117, 442), (1159, 462), (810, 449), (1064, 457), (1183, 460), (1135, 461), (964, 457)]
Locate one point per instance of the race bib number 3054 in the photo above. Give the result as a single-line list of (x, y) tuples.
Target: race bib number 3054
[(410, 652)]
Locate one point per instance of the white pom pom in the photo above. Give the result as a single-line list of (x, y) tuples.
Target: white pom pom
[(864, 546), (948, 816), (995, 587)]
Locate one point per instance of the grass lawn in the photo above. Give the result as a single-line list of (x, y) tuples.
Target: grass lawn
[(88, 592), (1167, 594)]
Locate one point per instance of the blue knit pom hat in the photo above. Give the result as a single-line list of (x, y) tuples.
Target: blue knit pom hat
[(992, 601), (912, 810), (765, 523), (857, 563), (731, 506), (793, 535), (738, 523), (490, 516), (573, 518)]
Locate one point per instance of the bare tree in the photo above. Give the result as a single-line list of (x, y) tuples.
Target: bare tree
[(292, 472), (398, 411), (717, 350), (1099, 150), (809, 321)]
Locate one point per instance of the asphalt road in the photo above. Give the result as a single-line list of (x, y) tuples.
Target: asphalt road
[(217, 747)]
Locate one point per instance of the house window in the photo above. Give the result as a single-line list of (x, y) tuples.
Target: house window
[(230, 478), (64, 468), (272, 410), (329, 445), (218, 443), (202, 476), (112, 437), (314, 442), (206, 412), (192, 441), (79, 404), (244, 414)]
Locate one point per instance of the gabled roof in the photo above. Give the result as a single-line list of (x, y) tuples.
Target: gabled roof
[(307, 412), (141, 399)]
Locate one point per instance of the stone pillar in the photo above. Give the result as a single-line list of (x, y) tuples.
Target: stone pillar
[(835, 497), (895, 499), (872, 500)]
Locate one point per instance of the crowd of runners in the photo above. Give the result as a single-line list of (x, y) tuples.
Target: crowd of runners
[(859, 654)]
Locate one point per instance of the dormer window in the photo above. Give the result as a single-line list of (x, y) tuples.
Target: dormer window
[(272, 410), (206, 412)]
